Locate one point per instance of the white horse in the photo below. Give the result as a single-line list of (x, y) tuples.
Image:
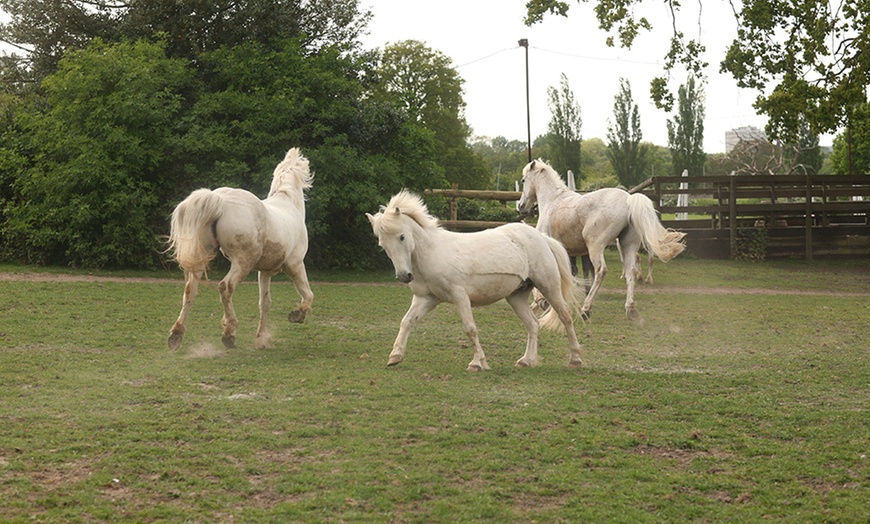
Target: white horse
[(267, 235), (587, 224), (475, 269)]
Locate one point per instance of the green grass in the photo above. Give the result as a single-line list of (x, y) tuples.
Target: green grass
[(719, 407)]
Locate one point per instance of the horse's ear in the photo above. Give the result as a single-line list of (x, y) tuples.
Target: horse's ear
[(371, 218), (532, 165), (398, 211)]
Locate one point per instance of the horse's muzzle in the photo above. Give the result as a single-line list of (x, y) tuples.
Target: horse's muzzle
[(404, 277)]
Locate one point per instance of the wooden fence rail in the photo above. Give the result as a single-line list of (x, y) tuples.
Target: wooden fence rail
[(824, 213)]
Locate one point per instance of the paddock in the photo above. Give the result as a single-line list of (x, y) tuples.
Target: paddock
[(743, 397)]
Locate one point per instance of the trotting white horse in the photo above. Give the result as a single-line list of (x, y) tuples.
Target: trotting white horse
[(589, 223), (475, 269), (267, 235)]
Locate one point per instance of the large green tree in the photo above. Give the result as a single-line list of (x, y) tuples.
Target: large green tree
[(564, 134), (427, 87), (686, 131), (627, 154), (807, 60)]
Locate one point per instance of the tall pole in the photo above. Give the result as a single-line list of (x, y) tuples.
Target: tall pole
[(525, 43)]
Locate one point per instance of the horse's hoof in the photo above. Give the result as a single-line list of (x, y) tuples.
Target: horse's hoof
[(522, 364), (174, 341), (585, 315), (229, 341), (394, 360), (474, 368), (575, 364), (632, 314), (296, 317)]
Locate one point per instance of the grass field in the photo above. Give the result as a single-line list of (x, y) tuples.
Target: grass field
[(742, 397)]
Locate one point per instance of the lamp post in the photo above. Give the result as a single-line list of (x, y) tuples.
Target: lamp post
[(525, 43)]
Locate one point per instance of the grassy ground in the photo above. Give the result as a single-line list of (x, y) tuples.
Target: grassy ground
[(726, 404)]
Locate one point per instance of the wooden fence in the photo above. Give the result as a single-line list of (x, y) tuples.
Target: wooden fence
[(824, 215), (808, 215)]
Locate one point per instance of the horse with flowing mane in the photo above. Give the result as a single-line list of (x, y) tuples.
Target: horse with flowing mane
[(475, 269), (587, 224), (264, 235)]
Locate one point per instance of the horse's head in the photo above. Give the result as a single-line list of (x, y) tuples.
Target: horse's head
[(395, 226), (529, 199)]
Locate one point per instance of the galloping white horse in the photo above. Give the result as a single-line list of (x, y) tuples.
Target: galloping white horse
[(267, 235), (589, 223), (475, 269)]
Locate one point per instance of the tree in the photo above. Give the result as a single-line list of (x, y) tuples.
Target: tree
[(96, 170), (43, 30), (564, 136), (851, 154), (429, 90), (808, 59), (807, 154), (627, 154), (686, 131)]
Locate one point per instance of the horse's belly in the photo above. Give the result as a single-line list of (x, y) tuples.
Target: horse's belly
[(485, 289)]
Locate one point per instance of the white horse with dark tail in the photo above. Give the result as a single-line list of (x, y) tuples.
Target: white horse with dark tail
[(587, 224), (264, 235), (475, 269)]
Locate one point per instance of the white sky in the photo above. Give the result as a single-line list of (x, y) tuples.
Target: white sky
[(481, 37)]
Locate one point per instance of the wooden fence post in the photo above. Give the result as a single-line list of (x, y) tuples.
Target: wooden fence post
[(732, 214), (808, 220)]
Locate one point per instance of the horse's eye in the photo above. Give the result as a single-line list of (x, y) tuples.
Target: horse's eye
[(401, 238)]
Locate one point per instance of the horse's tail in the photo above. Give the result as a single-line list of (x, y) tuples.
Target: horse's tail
[(571, 289), (663, 243), (192, 239)]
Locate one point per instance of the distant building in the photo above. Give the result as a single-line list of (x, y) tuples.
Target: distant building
[(746, 134)]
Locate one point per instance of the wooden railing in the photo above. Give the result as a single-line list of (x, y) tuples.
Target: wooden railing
[(732, 202), (806, 206)]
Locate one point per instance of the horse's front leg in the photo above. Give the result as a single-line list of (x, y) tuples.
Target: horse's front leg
[(300, 280), (420, 306), (463, 305), (191, 288), (263, 337), (520, 303)]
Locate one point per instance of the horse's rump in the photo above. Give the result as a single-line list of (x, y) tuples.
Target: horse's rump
[(192, 239)]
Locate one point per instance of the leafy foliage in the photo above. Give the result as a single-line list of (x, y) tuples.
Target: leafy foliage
[(686, 131), (564, 130), (123, 128), (808, 60), (627, 154), (424, 85), (851, 153)]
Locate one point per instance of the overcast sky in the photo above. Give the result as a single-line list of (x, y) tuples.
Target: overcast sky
[(481, 37)]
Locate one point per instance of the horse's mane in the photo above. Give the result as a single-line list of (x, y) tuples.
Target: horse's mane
[(546, 170), (292, 175), (408, 204)]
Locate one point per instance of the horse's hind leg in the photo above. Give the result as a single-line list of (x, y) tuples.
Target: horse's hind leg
[(264, 280), (226, 288), (191, 287), (558, 303), (300, 280), (629, 244), (520, 303), (596, 256)]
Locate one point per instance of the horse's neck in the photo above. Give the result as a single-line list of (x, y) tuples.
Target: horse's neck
[(549, 194), (425, 245)]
